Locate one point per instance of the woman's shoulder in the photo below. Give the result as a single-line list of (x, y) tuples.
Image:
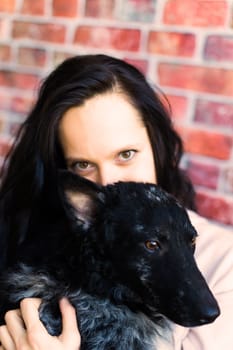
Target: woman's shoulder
[(214, 252), (199, 222)]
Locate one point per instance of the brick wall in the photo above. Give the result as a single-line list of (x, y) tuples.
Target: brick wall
[(184, 46)]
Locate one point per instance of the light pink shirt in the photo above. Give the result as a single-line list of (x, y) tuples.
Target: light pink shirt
[(214, 256)]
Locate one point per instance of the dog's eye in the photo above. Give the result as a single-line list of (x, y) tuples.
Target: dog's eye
[(152, 245)]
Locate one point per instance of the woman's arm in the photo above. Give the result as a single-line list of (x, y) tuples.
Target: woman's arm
[(24, 330)]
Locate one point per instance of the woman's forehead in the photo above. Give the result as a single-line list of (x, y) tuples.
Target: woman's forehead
[(102, 121)]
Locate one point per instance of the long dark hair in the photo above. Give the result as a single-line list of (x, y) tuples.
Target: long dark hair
[(30, 171)]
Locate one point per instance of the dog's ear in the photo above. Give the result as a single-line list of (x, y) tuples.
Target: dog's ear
[(83, 205), (81, 198)]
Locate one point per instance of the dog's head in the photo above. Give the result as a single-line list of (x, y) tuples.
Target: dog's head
[(150, 240)]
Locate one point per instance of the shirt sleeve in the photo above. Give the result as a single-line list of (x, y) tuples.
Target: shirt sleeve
[(214, 256)]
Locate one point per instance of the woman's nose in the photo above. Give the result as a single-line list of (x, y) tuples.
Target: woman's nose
[(109, 175)]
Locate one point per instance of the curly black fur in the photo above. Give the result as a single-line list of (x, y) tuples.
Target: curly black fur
[(127, 267)]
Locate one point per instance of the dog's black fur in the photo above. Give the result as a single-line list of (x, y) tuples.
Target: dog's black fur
[(129, 263)]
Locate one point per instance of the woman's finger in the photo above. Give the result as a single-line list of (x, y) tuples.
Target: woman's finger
[(70, 333), (14, 329), (37, 335), (24, 330), (6, 339), (30, 314)]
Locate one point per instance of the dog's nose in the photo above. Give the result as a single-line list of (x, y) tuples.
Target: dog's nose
[(210, 314)]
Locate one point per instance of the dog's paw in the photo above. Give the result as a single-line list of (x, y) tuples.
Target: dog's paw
[(50, 316)]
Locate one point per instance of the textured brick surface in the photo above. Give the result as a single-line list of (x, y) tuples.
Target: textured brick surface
[(175, 44), (39, 31), (65, 8), (219, 48), (142, 65), (21, 105), (185, 46), (204, 13), (18, 80), (215, 207), (32, 57), (98, 8), (134, 10), (7, 5), (207, 143), (108, 38), (179, 105), (203, 79), (214, 113), (33, 7), (5, 53), (203, 174)]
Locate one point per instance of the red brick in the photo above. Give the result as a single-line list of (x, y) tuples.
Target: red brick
[(33, 7), (197, 78), (32, 57), (171, 43), (207, 143), (179, 105), (219, 48), (21, 104), (108, 38), (39, 31), (7, 5), (215, 207), (135, 10), (214, 113), (202, 13), (142, 65), (65, 8), (5, 53), (18, 80), (100, 8), (18, 104), (203, 174)]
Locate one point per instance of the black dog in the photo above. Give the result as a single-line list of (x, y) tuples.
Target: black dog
[(129, 268)]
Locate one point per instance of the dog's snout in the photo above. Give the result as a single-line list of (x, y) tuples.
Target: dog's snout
[(210, 313), (206, 311)]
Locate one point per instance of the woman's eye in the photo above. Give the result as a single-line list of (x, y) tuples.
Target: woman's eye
[(127, 155), (80, 166), (152, 245)]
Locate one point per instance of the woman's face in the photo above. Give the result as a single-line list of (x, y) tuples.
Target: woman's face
[(105, 141)]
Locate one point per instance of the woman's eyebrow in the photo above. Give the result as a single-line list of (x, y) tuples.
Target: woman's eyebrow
[(76, 159), (128, 147), (81, 158)]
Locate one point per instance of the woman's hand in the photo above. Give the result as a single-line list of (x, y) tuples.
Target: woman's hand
[(24, 330)]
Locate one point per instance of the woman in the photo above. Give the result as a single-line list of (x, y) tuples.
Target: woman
[(97, 116)]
